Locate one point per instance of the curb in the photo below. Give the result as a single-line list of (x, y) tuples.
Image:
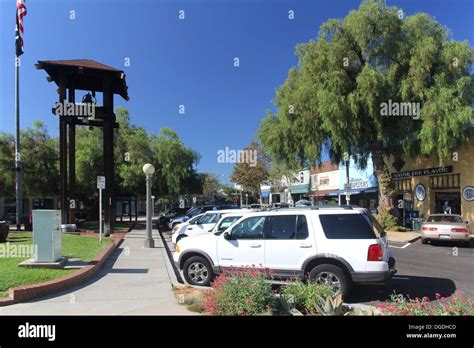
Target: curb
[(29, 292), (173, 272), (405, 241)]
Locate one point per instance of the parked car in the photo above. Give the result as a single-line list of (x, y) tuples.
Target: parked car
[(196, 211), (164, 218), (445, 227), (178, 227), (337, 246), (302, 203), (206, 223)]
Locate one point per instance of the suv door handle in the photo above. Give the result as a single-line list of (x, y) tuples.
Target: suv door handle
[(304, 245), (255, 245)]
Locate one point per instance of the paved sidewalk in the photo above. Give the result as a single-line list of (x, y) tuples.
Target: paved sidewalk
[(403, 237), (134, 281)]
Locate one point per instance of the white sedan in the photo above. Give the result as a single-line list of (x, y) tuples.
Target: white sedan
[(204, 224)]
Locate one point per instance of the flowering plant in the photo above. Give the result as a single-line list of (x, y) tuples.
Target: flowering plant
[(243, 291), (454, 305)]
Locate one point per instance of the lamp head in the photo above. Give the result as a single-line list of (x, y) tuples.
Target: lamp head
[(148, 169)]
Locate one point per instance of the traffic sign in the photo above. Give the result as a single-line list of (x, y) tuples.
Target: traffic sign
[(101, 182)]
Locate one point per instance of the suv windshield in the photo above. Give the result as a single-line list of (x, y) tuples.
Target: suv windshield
[(226, 223), (208, 219)]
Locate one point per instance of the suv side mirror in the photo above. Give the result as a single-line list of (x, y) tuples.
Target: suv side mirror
[(467, 222), (227, 236)]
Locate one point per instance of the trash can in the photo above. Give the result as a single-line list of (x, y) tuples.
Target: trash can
[(416, 224)]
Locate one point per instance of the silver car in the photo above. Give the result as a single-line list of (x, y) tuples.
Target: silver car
[(447, 227)]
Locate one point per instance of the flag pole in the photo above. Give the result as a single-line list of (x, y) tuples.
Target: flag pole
[(17, 145)]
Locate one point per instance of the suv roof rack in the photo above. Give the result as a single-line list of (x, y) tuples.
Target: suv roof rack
[(345, 207)]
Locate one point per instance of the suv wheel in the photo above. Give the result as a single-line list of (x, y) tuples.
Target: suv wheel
[(424, 241), (198, 271), (331, 275)]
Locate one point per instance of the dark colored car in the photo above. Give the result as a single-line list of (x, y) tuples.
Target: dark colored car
[(164, 218)]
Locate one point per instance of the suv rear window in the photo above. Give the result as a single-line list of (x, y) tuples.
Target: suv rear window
[(346, 226)]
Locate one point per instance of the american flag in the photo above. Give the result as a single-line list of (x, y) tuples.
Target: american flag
[(20, 13)]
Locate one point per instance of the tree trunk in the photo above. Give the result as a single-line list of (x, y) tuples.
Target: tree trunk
[(386, 188)]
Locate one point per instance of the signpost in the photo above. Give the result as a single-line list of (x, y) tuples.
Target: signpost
[(347, 189), (100, 186)]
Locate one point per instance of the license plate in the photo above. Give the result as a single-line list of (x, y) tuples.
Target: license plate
[(444, 236)]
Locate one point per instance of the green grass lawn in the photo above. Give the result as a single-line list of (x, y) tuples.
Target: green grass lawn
[(84, 248)]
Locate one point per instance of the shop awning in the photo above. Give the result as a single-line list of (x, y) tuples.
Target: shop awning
[(322, 193), (353, 192), (299, 189)]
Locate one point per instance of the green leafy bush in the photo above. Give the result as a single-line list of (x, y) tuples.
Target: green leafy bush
[(387, 220), (302, 296), (239, 292)]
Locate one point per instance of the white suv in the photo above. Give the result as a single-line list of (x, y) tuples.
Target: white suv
[(336, 246)]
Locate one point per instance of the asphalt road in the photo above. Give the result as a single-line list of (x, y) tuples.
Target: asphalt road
[(423, 270)]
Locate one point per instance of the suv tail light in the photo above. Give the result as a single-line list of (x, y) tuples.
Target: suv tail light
[(429, 229), (458, 229), (375, 253)]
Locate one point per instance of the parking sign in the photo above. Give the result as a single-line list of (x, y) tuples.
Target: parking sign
[(101, 182)]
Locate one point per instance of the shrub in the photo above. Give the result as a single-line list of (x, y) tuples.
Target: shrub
[(4, 229), (303, 295), (239, 292), (454, 305)]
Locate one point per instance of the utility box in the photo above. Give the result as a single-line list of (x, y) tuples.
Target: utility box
[(47, 235)]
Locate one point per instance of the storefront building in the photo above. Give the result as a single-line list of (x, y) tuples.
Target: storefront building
[(300, 185), (364, 187), (424, 187), (325, 180), (328, 185)]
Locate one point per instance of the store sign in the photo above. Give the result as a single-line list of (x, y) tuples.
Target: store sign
[(468, 193), (324, 181), (358, 183), (422, 172), (420, 192)]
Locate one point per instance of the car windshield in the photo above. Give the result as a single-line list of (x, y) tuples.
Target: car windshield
[(444, 218), (208, 219), (226, 223)]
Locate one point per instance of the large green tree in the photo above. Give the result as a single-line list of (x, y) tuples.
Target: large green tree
[(333, 99), (252, 168), (39, 158)]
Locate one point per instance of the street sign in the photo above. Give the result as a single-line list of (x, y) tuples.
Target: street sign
[(181, 203), (194, 200), (100, 186), (347, 188), (101, 182)]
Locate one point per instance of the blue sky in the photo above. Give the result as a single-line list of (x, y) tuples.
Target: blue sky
[(188, 62)]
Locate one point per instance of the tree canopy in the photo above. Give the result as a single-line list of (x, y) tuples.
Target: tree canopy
[(332, 100), (174, 162), (250, 174)]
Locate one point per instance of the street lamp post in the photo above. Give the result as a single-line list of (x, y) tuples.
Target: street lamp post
[(149, 170)]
